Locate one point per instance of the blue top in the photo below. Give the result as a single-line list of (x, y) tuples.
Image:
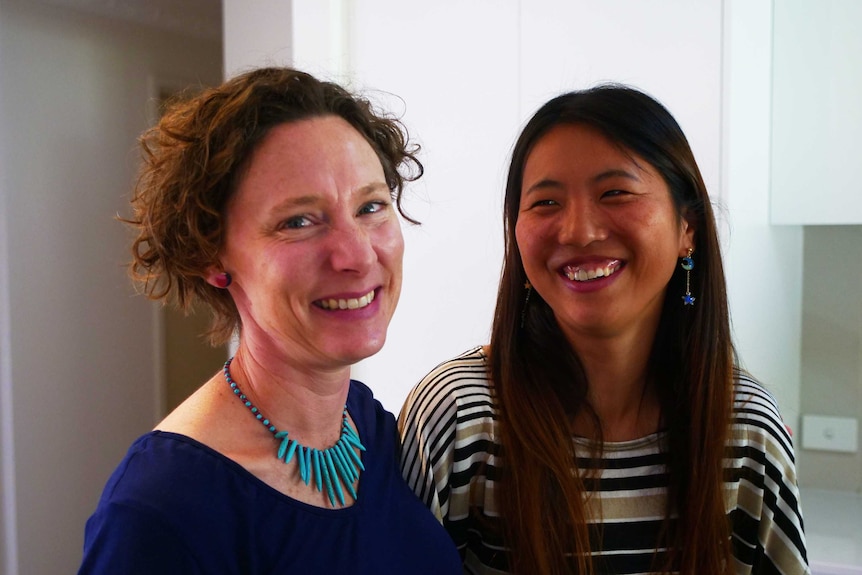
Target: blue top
[(175, 506)]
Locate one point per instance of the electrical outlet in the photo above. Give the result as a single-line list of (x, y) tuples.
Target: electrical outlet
[(830, 433)]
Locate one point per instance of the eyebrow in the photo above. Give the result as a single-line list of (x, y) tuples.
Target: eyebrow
[(372, 188), (549, 183), (615, 173), (311, 199)]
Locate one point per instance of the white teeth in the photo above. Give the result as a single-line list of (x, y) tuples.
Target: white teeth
[(579, 274), (352, 303)]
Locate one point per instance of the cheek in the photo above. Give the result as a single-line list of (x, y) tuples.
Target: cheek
[(527, 240), (389, 246), (520, 236), (391, 255)]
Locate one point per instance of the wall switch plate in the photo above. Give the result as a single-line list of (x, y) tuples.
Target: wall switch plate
[(830, 433)]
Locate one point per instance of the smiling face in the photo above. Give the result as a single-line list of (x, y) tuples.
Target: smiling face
[(598, 234), (314, 246)]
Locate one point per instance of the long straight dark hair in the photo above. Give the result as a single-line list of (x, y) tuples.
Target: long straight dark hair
[(540, 383)]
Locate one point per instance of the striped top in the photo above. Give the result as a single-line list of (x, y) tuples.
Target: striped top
[(451, 459)]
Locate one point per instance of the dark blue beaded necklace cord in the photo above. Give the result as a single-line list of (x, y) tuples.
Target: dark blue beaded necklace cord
[(331, 468)]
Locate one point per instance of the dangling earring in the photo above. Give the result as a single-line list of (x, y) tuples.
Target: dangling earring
[(529, 288), (687, 264), (223, 280)]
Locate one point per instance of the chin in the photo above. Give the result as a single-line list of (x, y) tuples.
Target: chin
[(356, 354)]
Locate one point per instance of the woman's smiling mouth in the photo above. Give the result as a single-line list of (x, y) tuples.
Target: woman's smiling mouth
[(587, 272), (350, 303)]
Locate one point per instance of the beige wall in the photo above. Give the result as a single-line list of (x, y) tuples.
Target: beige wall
[(189, 358), (79, 373), (832, 347)]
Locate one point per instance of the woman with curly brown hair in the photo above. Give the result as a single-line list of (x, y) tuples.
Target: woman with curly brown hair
[(606, 429), (273, 198)]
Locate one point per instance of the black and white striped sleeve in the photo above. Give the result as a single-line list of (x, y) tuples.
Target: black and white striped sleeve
[(445, 417), (768, 530)]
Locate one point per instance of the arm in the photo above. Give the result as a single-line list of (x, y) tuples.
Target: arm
[(768, 526), (427, 429), (449, 453)]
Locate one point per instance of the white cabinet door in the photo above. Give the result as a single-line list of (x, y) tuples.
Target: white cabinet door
[(817, 112)]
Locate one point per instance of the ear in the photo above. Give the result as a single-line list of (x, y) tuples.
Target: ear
[(686, 237)]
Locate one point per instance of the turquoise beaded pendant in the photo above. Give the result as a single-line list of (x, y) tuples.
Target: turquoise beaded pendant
[(335, 468)]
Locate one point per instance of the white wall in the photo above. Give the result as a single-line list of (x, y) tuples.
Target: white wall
[(256, 34), (672, 49), (77, 371), (763, 261)]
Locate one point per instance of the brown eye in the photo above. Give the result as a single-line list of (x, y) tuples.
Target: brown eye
[(295, 223), (614, 193), (542, 203)]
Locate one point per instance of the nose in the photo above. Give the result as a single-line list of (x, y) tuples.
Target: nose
[(351, 249), (582, 223)]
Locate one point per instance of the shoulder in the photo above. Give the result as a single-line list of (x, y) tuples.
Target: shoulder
[(448, 429), (458, 382), (360, 392), (166, 491), (170, 471), (366, 410), (756, 412), (750, 395), (451, 407)]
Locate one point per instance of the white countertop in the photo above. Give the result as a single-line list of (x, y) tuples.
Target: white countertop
[(833, 531)]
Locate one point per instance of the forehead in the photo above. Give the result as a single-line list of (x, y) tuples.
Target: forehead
[(580, 149), (579, 152), (295, 143), (315, 154)]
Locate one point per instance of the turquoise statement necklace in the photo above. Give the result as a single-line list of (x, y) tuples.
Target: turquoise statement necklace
[(331, 468)]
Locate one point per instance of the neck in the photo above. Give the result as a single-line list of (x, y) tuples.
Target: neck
[(619, 392), (305, 401)]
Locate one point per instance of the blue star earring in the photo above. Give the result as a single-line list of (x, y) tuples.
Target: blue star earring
[(687, 264)]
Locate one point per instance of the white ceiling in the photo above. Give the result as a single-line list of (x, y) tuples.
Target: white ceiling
[(200, 18)]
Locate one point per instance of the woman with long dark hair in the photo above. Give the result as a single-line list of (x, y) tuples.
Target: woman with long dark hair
[(607, 427)]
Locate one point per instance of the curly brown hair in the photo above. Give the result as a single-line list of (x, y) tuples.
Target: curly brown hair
[(193, 160)]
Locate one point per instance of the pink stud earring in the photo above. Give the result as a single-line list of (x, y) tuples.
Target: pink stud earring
[(223, 280)]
